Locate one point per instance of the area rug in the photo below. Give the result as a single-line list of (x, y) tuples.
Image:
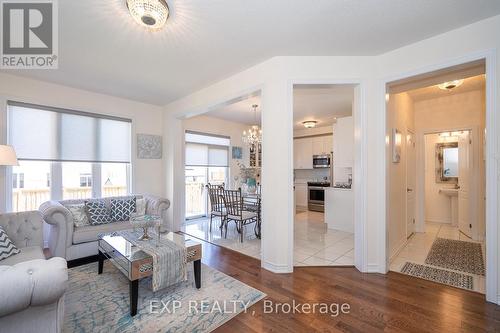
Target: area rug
[(456, 255), (454, 279), (100, 303)]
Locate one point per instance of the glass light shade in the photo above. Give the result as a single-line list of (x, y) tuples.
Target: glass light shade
[(309, 123), (450, 84), (8, 155), (152, 14)]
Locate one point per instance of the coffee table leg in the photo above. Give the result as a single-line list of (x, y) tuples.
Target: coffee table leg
[(101, 258), (133, 294), (197, 273)]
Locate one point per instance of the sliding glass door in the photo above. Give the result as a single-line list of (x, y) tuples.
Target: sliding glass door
[(207, 160)]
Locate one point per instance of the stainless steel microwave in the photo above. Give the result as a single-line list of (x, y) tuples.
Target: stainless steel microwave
[(321, 161)]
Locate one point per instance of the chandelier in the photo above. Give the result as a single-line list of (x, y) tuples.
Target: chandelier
[(254, 134), (152, 14)]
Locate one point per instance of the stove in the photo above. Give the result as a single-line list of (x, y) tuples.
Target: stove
[(316, 196)]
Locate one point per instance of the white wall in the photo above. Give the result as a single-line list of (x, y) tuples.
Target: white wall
[(212, 125), (147, 175), (275, 77), (400, 115)]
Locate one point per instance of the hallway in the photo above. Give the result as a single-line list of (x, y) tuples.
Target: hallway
[(419, 245)]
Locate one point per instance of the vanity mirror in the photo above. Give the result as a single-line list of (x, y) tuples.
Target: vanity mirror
[(447, 162)]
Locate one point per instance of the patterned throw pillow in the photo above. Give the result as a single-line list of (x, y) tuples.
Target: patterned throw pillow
[(140, 206), (80, 218), (7, 248), (121, 209), (97, 212)]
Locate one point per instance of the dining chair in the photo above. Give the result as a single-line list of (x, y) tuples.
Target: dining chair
[(233, 201), (218, 209)]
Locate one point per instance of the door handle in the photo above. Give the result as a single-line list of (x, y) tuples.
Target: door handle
[(408, 190)]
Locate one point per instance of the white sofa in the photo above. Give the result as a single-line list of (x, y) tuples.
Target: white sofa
[(31, 287), (81, 242)]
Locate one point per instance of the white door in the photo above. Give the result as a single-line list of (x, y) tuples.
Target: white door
[(464, 179), (411, 176)]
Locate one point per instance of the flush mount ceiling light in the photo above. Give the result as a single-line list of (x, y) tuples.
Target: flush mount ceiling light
[(152, 14), (450, 84), (309, 123)]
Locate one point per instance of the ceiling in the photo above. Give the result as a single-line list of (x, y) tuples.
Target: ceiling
[(470, 84), (322, 103), (102, 49), (239, 112)]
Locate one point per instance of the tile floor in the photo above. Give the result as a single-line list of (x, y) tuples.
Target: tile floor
[(315, 245), (419, 245)]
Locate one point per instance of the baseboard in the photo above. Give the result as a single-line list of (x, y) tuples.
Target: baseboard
[(82, 261), (398, 249), (372, 268), (279, 269), (437, 221)]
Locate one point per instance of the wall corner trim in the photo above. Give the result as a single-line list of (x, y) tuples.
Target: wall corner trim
[(275, 268)]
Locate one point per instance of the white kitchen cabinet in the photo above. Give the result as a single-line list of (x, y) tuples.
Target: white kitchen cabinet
[(301, 195), (322, 145), (328, 144), (343, 142), (302, 153), (339, 209)]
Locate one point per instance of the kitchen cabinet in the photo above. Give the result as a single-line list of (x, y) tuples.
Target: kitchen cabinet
[(339, 209), (302, 153), (322, 145), (301, 195), (343, 142), (305, 148)]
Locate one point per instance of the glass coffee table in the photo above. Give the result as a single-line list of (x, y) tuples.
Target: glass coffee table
[(136, 264)]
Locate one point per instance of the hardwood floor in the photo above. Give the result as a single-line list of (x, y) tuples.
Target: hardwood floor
[(378, 303)]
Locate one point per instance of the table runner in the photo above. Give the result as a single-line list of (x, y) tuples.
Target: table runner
[(169, 258)]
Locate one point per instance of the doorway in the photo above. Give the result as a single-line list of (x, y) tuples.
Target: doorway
[(323, 162), (219, 159), (442, 162)]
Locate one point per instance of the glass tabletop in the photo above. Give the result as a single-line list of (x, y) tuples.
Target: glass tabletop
[(132, 252)]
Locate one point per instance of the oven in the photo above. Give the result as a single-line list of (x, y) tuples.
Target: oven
[(321, 161), (316, 196)]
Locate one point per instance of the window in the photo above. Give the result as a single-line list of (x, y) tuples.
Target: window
[(114, 179), (207, 160), (29, 185), (76, 180), (66, 154), (18, 180), (85, 180)]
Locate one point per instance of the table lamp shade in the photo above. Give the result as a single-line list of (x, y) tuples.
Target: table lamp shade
[(7, 155)]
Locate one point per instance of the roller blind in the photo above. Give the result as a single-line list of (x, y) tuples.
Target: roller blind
[(53, 134), (206, 150)]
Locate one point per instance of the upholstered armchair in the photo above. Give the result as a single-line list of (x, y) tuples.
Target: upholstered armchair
[(31, 287)]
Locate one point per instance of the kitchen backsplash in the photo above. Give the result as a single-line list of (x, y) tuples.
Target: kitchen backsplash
[(312, 174)]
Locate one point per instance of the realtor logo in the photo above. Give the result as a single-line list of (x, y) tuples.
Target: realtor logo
[(29, 34)]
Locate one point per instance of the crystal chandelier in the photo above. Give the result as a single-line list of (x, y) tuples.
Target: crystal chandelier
[(152, 14), (254, 134)]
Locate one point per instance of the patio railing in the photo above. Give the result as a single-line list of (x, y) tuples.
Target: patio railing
[(31, 199)]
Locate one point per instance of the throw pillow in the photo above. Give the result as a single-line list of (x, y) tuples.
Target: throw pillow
[(140, 206), (97, 212), (121, 209), (80, 218), (7, 248)]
